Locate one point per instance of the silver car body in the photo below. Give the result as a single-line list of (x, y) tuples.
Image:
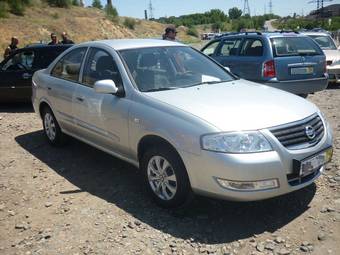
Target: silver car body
[(332, 57), (117, 125)]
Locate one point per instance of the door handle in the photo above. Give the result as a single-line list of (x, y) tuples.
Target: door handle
[(80, 99), (26, 75)]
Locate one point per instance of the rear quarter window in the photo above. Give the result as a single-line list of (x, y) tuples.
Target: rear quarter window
[(294, 46)]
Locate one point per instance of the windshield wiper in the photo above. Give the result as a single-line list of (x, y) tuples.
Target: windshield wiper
[(205, 82), (160, 89)]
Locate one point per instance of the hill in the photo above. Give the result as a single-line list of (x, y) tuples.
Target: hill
[(82, 24)]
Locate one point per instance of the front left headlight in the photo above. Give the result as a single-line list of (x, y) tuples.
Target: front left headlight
[(236, 142)]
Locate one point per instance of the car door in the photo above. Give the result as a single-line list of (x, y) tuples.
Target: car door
[(210, 48), (16, 76), (102, 118), (61, 86), (250, 59), (227, 53)]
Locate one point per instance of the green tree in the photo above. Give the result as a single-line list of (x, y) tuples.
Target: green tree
[(111, 13), (97, 4), (130, 23), (234, 13)]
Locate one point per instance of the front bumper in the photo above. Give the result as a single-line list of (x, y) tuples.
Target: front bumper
[(333, 73), (277, 164), (298, 87)]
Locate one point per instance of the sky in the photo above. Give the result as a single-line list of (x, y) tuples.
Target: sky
[(162, 8)]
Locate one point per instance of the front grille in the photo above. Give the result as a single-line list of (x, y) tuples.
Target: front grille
[(294, 135), (329, 62)]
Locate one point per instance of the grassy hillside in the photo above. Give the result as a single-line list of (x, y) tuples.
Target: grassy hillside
[(82, 24)]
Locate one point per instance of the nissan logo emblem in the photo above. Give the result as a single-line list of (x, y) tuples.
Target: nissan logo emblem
[(310, 132)]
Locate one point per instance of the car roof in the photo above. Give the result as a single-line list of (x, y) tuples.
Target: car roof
[(43, 46), (124, 44), (265, 34), (316, 33)]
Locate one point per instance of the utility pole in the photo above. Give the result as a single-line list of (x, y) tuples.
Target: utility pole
[(270, 7), (151, 9), (246, 9)]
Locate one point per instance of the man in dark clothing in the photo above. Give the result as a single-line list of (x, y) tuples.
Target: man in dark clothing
[(170, 33), (12, 47), (65, 39), (54, 40)]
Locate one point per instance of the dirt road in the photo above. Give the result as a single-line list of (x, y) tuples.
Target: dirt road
[(78, 200)]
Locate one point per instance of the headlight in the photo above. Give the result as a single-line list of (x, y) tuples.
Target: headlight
[(236, 142)]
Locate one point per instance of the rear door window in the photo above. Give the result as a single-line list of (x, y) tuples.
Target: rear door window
[(252, 47), (68, 67), (229, 47), (294, 46)]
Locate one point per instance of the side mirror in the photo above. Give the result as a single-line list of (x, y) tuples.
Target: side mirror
[(227, 68), (105, 87)]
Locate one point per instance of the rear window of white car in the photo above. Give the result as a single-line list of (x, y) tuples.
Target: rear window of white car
[(294, 46), (325, 42)]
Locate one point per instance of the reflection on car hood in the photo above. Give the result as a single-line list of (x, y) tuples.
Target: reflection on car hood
[(332, 55), (238, 105)]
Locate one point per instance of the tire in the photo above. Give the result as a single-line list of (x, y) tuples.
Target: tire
[(52, 129), (303, 95), (170, 188)]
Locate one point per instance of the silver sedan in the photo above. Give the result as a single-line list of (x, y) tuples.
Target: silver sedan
[(185, 121)]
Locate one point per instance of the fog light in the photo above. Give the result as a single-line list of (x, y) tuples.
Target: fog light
[(249, 185)]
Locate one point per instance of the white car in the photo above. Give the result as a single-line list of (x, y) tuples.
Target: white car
[(184, 120), (332, 53)]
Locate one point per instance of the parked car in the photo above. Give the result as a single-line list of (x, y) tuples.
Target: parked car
[(288, 61), (16, 70), (185, 121), (328, 46)]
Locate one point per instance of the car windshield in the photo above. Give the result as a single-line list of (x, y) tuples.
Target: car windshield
[(164, 68), (325, 42), (294, 46)]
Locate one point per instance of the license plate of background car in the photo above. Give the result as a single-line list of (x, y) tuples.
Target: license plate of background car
[(311, 164), (302, 70)]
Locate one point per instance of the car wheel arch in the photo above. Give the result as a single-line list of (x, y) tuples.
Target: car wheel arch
[(42, 106), (151, 140)]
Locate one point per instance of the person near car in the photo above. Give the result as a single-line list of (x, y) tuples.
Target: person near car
[(170, 33), (54, 39), (66, 40), (12, 47)]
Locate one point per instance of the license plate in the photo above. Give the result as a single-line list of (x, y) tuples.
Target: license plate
[(311, 164), (302, 70)]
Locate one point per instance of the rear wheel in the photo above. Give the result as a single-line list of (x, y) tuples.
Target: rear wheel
[(52, 129), (165, 177)]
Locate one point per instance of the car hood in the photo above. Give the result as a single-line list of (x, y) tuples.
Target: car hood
[(238, 105), (332, 55)]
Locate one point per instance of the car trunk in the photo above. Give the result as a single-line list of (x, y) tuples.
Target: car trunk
[(297, 58)]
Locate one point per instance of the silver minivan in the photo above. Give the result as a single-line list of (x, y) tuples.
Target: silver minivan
[(289, 61), (185, 121)]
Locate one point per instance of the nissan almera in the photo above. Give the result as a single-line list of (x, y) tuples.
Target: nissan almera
[(187, 123)]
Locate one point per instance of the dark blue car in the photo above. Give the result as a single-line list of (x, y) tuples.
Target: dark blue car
[(285, 60)]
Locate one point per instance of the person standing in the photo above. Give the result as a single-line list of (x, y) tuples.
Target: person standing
[(54, 40), (65, 39), (12, 47), (170, 33)]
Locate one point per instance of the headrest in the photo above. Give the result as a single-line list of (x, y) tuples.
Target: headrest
[(148, 60)]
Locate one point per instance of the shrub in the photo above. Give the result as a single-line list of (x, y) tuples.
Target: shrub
[(97, 4), (192, 31), (60, 3), (111, 13), (3, 9), (75, 2), (16, 7), (130, 23)]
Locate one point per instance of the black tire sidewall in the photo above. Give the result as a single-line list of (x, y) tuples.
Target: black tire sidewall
[(183, 192)]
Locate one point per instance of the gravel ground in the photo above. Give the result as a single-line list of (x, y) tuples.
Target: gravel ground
[(78, 200)]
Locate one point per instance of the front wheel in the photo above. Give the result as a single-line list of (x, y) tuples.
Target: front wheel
[(165, 177), (52, 129)]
